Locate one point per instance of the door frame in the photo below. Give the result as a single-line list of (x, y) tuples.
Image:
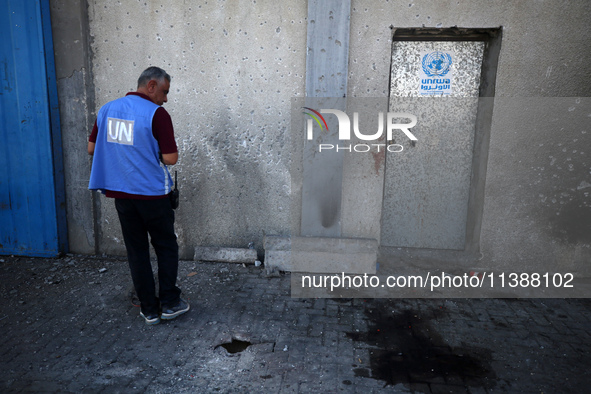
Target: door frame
[(492, 38)]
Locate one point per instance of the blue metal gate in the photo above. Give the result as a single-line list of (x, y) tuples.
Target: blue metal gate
[(32, 201)]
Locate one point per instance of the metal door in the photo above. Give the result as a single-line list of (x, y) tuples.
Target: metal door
[(427, 185), (32, 208)]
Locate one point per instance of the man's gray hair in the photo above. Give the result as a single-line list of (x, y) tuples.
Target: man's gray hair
[(152, 73)]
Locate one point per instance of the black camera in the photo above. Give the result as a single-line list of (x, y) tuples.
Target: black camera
[(174, 194)]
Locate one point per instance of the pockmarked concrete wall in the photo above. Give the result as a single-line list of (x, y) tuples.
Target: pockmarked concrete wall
[(69, 20), (536, 208), (236, 65)]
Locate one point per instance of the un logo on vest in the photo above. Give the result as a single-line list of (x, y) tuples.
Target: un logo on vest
[(436, 64)]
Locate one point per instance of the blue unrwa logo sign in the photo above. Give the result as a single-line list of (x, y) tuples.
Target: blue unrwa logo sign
[(120, 131), (436, 73)]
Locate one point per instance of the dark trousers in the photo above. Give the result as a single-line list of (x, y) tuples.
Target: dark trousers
[(139, 218)]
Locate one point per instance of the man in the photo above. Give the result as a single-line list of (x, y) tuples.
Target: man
[(132, 142)]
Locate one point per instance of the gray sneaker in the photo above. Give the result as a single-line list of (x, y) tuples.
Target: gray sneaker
[(169, 313), (150, 319)]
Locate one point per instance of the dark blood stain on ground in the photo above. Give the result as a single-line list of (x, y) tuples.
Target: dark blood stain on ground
[(405, 348)]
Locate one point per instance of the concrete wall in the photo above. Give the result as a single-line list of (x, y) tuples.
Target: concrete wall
[(234, 66), (76, 97), (536, 204), (237, 64)]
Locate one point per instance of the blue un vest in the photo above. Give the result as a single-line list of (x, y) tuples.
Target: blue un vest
[(126, 156)]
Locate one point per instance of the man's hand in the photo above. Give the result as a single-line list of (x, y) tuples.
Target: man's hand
[(91, 148)]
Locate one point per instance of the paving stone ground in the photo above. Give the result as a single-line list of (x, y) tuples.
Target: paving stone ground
[(68, 326)]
